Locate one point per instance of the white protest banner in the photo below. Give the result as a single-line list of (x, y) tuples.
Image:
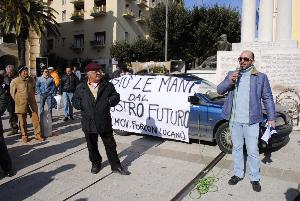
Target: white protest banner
[(153, 105)]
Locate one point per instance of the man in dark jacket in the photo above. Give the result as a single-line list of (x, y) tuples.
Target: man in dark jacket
[(13, 118), (94, 98), (5, 161), (67, 88)]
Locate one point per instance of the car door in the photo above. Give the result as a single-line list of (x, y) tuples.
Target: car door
[(198, 121), (213, 117)]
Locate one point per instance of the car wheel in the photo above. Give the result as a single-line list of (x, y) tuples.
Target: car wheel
[(223, 138), (121, 132)]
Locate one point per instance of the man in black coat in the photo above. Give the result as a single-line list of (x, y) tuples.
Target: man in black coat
[(67, 88), (5, 161), (94, 98), (13, 119)]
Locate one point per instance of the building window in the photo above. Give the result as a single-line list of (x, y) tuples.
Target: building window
[(100, 38), (126, 36), (50, 44), (79, 41), (63, 42), (63, 2), (63, 15)]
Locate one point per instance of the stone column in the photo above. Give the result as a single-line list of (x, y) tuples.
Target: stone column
[(296, 22), (265, 27), (248, 21), (284, 20)]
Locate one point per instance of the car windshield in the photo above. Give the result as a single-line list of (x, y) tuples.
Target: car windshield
[(208, 89)]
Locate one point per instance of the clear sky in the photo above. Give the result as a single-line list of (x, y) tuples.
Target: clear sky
[(232, 3)]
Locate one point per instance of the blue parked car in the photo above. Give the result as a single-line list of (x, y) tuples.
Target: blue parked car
[(206, 122)]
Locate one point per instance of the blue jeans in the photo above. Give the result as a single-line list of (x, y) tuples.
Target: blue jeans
[(67, 100), (250, 133), (43, 99)]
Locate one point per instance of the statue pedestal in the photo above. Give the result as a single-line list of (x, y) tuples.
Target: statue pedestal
[(278, 45)]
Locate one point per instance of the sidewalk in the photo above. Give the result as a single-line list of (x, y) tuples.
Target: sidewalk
[(59, 169)]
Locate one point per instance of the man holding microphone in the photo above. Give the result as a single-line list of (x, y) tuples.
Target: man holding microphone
[(246, 88)]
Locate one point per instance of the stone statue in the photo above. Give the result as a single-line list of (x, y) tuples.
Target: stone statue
[(223, 44), (210, 63)]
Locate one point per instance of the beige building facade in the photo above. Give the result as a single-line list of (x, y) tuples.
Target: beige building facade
[(90, 27), (296, 21)]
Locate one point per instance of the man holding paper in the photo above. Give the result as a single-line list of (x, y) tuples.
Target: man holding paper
[(246, 88)]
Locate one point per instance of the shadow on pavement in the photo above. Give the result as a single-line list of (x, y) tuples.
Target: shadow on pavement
[(31, 154), (138, 148), (68, 126), (27, 186)]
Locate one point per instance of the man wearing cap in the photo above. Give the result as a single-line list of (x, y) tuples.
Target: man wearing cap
[(46, 89), (22, 90), (94, 98)]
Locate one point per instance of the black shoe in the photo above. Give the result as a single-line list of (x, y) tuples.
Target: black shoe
[(72, 118), (120, 170), (95, 168), (10, 173), (256, 186), (66, 119), (234, 180)]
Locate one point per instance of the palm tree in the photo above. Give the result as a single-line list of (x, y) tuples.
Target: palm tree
[(20, 16)]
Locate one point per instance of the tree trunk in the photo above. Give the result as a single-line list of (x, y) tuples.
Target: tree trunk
[(21, 41)]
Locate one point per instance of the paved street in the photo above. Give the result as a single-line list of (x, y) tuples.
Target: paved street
[(59, 169)]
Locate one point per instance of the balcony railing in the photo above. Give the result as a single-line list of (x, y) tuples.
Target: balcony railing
[(77, 48), (97, 44), (100, 1), (77, 15), (141, 19), (98, 11), (128, 14), (76, 2), (141, 3)]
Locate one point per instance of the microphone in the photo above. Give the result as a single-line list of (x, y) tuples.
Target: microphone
[(238, 69)]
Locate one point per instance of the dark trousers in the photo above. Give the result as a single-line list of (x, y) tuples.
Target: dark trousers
[(13, 121), (5, 161), (110, 148)]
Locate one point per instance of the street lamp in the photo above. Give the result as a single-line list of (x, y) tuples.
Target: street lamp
[(166, 34)]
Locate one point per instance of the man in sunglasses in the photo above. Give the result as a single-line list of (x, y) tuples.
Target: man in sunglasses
[(246, 88), (94, 98)]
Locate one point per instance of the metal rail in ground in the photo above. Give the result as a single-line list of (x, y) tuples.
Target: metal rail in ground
[(189, 187)]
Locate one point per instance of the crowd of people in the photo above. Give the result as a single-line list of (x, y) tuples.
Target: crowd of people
[(17, 96), (246, 88)]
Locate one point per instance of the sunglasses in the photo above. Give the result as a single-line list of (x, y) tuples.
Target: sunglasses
[(244, 58)]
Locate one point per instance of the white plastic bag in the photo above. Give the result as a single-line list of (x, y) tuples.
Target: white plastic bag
[(268, 133), (59, 102), (46, 123)]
